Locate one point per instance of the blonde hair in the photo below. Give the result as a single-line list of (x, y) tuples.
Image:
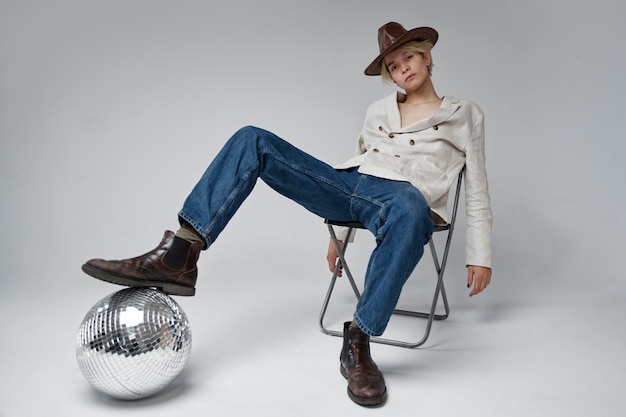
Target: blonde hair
[(411, 46)]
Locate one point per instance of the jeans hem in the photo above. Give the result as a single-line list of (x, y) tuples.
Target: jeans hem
[(365, 329), (182, 217)]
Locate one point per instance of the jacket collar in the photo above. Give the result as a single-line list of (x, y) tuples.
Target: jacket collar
[(448, 106)]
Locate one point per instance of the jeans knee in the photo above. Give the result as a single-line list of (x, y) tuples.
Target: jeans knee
[(413, 216), (246, 138), (255, 136), (247, 133)]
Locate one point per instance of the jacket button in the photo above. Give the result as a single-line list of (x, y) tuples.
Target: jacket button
[(436, 127), (375, 150), (397, 156), (380, 128), (391, 135), (411, 142)]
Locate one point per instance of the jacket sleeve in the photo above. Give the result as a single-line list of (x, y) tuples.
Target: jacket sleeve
[(477, 200)]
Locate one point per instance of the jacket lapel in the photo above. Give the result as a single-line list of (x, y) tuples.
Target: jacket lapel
[(393, 112), (447, 109)]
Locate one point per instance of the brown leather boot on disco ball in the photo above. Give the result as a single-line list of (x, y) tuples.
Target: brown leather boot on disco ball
[(170, 267)]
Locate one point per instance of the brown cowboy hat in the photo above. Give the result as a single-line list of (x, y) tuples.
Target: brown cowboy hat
[(392, 35)]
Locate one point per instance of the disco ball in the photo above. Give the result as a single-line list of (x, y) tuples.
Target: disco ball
[(133, 343)]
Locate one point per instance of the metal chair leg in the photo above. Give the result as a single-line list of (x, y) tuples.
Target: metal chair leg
[(341, 264)]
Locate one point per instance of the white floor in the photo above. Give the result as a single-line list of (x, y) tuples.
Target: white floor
[(545, 350)]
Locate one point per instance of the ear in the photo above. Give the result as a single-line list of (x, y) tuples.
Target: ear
[(428, 59)]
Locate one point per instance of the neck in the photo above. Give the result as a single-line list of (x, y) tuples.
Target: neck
[(418, 99), (424, 94)]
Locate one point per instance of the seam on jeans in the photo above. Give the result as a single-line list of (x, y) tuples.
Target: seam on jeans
[(354, 195), (350, 193), (229, 200), (311, 174)]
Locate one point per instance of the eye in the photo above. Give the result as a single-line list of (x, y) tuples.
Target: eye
[(392, 68)]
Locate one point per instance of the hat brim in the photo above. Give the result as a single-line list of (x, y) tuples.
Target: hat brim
[(417, 34)]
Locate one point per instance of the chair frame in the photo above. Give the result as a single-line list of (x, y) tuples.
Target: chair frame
[(440, 265)]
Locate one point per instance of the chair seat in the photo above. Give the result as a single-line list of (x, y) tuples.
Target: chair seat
[(356, 225)]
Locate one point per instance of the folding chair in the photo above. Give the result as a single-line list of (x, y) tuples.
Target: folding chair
[(440, 265)]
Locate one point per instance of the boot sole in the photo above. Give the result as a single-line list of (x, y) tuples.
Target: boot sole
[(364, 401), (167, 288)]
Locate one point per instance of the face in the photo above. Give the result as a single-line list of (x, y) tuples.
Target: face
[(409, 70)]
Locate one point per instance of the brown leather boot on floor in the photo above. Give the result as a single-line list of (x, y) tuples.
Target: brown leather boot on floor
[(366, 385), (170, 267)]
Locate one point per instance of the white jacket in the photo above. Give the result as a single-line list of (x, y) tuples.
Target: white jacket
[(430, 154)]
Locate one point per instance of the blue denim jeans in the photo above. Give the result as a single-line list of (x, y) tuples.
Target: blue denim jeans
[(394, 211)]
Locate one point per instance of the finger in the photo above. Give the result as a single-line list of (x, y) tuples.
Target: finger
[(332, 266), (479, 286), (340, 266), (475, 291)]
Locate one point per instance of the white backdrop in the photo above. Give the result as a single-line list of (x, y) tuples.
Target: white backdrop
[(110, 111)]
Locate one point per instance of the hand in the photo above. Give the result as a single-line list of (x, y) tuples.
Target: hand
[(479, 276), (332, 257)]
